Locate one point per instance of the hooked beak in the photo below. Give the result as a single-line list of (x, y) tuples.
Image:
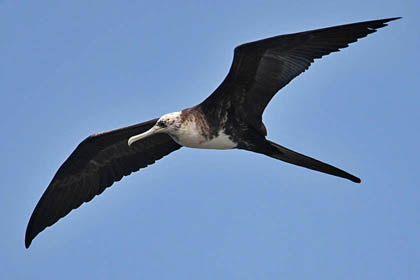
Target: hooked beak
[(150, 132)]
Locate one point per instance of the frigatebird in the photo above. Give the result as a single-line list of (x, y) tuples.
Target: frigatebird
[(230, 118)]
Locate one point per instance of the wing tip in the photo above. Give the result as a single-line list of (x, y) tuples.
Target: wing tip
[(28, 239), (383, 20), (386, 20), (380, 23), (355, 179), (391, 19), (31, 232)]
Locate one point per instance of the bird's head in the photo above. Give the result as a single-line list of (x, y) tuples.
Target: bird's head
[(168, 123)]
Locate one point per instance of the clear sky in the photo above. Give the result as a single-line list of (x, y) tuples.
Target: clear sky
[(73, 68)]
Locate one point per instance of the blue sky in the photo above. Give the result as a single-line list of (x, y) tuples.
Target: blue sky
[(70, 69)]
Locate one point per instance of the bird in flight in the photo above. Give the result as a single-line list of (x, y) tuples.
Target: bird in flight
[(230, 118)]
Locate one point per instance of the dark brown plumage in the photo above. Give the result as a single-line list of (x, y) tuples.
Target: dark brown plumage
[(259, 70), (96, 163)]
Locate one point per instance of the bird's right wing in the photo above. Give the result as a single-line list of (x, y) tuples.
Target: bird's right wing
[(98, 161), (261, 68)]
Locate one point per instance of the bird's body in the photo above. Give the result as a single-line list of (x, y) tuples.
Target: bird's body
[(230, 118), (190, 128)]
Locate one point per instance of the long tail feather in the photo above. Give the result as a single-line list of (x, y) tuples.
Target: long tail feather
[(292, 157)]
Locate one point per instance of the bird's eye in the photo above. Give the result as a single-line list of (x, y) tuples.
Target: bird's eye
[(161, 124)]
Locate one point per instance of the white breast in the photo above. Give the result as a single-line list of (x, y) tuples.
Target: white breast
[(221, 142), (189, 136)]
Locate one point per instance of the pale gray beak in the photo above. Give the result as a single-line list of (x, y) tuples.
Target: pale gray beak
[(150, 132)]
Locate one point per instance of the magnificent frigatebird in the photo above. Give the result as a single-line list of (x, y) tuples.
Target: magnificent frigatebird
[(230, 118)]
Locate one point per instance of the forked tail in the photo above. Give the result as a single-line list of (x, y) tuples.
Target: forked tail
[(279, 152)]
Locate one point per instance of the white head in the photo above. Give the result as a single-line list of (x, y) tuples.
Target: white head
[(166, 124)]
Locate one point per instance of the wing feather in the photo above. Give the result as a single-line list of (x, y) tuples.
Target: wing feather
[(96, 163), (261, 68)]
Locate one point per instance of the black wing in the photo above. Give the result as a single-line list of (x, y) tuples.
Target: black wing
[(98, 162), (262, 68)]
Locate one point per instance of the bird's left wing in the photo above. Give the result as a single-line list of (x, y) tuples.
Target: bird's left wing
[(98, 161), (261, 68)]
